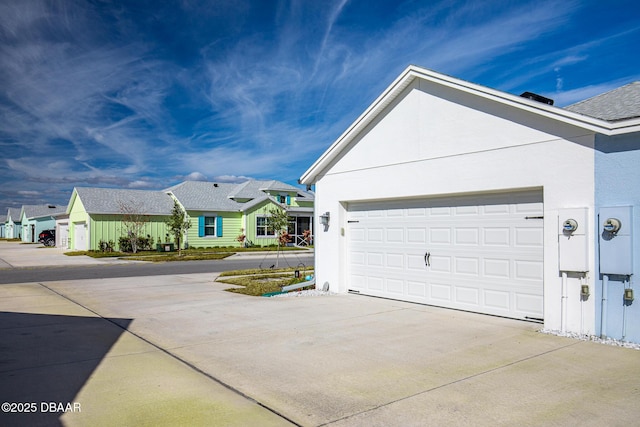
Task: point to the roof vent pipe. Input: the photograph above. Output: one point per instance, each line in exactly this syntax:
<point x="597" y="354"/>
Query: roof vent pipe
<point x="536" y="97"/>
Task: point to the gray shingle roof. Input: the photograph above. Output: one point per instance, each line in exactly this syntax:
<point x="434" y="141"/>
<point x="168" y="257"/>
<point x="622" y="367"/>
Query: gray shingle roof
<point x="40" y="211"/>
<point x="14" y="213"/>
<point x="619" y="104"/>
<point x="201" y="195"/>
<point x="209" y="196"/>
<point x="110" y="200"/>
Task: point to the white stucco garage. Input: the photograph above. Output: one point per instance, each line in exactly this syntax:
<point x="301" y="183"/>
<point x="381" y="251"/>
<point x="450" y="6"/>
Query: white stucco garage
<point x="448" y="193"/>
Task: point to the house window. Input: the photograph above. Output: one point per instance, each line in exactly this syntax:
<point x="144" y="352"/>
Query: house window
<point x="285" y="200"/>
<point x="209" y="226"/>
<point x="262" y="230"/>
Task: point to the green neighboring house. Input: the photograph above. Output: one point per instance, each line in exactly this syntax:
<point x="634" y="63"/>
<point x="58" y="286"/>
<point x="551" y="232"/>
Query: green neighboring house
<point x="36" y="218"/>
<point x="97" y="214"/>
<point x="220" y="213"/>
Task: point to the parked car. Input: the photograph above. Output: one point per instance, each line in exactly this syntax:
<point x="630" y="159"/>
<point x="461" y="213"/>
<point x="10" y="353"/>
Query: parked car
<point x="47" y="237"/>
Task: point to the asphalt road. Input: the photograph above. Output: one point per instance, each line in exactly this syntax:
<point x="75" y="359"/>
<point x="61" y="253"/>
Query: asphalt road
<point x="44" y="274"/>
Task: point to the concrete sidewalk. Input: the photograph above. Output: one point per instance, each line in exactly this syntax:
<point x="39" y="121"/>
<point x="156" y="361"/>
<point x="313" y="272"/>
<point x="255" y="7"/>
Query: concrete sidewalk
<point x="20" y="255"/>
<point x="336" y="360"/>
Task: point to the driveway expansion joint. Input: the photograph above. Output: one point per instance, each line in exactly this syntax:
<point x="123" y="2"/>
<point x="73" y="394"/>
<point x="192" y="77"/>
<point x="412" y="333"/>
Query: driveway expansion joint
<point x="534" y="356"/>
<point x="176" y="357"/>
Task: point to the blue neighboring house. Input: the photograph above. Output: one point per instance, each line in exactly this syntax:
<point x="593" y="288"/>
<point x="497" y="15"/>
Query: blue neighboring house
<point x="36" y="218"/>
<point x="13" y="228"/>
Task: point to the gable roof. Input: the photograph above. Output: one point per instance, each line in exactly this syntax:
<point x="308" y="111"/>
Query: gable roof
<point x="619" y="104"/>
<point x="210" y="196"/>
<point x="13" y="214"/>
<point x="109" y="200"/>
<point x="203" y="195"/>
<point x="411" y="73"/>
<point x="40" y="211"/>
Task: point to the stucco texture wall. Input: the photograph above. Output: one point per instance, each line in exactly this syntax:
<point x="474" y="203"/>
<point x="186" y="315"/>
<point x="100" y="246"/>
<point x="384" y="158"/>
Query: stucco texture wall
<point x="617" y="180"/>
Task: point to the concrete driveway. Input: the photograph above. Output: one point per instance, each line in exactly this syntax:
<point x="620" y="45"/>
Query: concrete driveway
<point x="179" y="350"/>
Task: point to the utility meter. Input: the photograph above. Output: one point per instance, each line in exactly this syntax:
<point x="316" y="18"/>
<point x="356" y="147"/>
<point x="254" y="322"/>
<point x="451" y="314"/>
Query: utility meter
<point x="616" y="241"/>
<point x="573" y="242"/>
<point x="612" y="225"/>
<point x="570" y="225"/>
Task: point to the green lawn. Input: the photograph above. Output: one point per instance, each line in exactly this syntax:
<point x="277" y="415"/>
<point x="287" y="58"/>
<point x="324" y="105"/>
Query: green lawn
<point x="187" y="254"/>
<point x="260" y="282"/>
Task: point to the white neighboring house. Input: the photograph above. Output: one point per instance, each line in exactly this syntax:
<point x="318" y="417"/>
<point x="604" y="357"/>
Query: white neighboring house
<point x="452" y="194"/>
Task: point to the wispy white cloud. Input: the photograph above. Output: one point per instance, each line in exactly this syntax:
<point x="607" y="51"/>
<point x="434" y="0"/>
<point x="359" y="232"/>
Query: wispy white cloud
<point x="115" y="96"/>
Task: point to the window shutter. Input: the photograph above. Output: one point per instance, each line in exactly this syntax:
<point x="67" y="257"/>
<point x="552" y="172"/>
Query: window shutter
<point x="200" y="226"/>
<point x="219" y="226"/>
<point x="288" y="199"/>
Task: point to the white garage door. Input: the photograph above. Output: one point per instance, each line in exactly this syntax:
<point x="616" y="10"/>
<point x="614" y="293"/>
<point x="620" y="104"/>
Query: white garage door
<point x="475" y="253"/>
<point x="79" y="236"/>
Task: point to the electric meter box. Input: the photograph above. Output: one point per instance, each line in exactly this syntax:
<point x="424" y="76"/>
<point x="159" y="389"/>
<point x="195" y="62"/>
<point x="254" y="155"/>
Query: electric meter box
<point x="616" y="245"/>
<point x="573" y="245"/>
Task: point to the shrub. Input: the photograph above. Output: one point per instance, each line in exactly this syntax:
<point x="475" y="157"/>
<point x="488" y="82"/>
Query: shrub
<point x="143" y="243"/>
<point x="106" y="246"/>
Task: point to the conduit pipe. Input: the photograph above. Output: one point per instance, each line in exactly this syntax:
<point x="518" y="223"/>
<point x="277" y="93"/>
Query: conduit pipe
<point x="582" y="300"/>
<point x="603" y="314"/>
<point x="624" y="311"/>
<point x="563" y="307"/>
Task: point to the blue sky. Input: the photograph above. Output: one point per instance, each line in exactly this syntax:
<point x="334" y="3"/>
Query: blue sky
<point x="146" y="94"/>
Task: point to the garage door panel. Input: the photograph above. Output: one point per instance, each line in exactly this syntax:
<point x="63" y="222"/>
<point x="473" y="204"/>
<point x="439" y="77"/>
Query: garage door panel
<point x="395" y="286"/>
<point x="494" y="236"/>
<point x="375" y="283"/>
<point x="467" y="295"/>
<point x="529" y="303"/>
<point x="529" y="237"/>
<point x="529" y="270"/>
<point x="375" y="235"/>
<point x="467" y="266"/>
<point x="416" y="263"/>
<point x="440" y="292"/>
<point x="440" y="264"/>
<point x="484" y="257"/>
<point x="440" y="236"/>
<point x="416" y="235"/>
<point x="395" y="235"/>
<point x="497" y="210"/>
<point x="416" y="289"/>
<point x="466" y="210"/>
<point x="497" y="268"/>
<point x="499" y="300"/>
<point x="467" y="236"/>
<point x="395" y="261"/>
<point x="375" y="259"/>
<point x="357" y="235"/>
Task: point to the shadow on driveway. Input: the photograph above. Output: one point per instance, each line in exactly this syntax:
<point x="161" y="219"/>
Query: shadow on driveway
<point x="45" y="360"/>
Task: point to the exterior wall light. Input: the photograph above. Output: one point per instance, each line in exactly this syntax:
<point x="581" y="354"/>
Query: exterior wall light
<point x="324" y="219"/>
